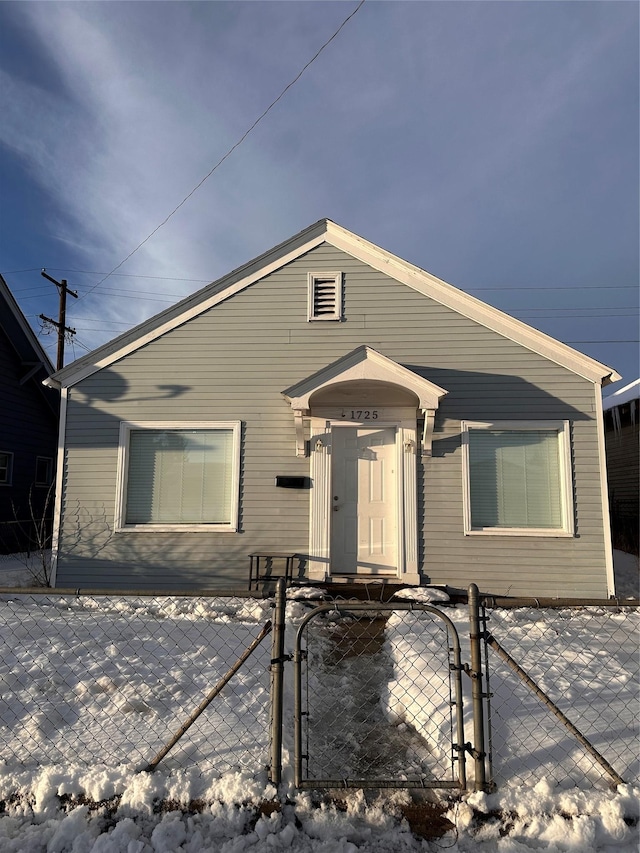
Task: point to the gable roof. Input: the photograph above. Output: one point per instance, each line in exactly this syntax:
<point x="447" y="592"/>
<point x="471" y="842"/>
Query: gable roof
<point x="25" y="344"/>
<point x="326" y="231"/>
<point x="19" y="332"/>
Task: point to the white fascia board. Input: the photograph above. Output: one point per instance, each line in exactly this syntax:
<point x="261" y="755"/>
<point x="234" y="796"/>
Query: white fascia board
<point x="469" y="306"/>
<point x="368" y="253"/>
<point x="189" y="308"/>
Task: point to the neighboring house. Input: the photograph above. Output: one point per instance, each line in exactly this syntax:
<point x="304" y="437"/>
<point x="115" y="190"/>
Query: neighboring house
<point x="622" y="440"/>
<point x="330" y="400"/>
<point x="28" y="431"/>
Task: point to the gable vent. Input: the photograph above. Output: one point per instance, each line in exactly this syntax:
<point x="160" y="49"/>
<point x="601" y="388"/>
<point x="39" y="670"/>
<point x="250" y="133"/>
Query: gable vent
<point x="325" y="296"/>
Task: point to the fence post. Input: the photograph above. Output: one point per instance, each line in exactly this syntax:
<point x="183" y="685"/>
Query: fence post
<point x="277" y="674"/>
<point x="477" y="692"/>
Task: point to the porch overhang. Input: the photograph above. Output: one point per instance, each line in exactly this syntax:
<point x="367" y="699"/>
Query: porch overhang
<point x="364" y="364"/>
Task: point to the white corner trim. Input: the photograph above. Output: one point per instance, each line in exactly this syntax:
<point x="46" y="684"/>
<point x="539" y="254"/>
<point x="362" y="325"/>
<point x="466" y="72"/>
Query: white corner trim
<point x="563" y="428"/>
<point x="120" y="525"/>
<point x="604" y="489"/>
<point x="57" y="509"/>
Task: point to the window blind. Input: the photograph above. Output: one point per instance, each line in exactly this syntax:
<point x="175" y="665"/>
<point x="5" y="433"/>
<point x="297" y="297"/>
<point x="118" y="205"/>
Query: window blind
<point x="179" y="476"/>
<point x="515" y="478"/>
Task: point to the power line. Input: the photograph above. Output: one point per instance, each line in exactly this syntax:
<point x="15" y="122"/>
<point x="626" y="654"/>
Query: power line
<point x="515" y="288"/>
<point x="119" y="274"/>
<point x="565" y="287"/>
<point x="230" y="151"/>
<point x="84" y="346"/>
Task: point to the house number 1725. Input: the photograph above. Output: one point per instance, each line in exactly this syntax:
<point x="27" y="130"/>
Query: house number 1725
<point x="360" y="414"/>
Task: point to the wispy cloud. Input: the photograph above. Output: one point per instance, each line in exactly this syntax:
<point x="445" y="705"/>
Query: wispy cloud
<point x="425" y="127"/>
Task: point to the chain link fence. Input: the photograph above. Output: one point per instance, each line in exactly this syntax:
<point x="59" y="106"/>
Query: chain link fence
<point x="584" y="660"/>
<point x="108" y="679"/>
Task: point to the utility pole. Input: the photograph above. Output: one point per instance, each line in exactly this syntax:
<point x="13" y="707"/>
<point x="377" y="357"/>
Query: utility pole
<point x="62" y="314"/>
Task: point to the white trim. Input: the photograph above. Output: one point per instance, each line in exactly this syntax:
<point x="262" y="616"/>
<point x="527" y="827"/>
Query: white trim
<point x="408" y="504"/>
<point x="120" y="525"/>
<point x="57" y="509"/>
<point x="340" y="238"/>
<point x="336" y="314"/>
<point x="364" y="363"/>
<point x="320" y="500"/>
<point x="604" y="489"/>
<point x="448" y="295"/>
<point x="563" y="428"/>
<point x="199" y="307"/>
<point x="301" y="449"/>
<point x="406" y="496"/>
<point x="427" y="432"/>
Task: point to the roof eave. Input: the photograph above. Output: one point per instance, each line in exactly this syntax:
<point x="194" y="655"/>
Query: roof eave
<point x="327" y="231"/>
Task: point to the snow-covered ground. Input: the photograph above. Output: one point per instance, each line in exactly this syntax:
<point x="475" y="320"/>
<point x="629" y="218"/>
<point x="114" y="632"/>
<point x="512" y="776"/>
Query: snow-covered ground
<point x="80" y="788"/>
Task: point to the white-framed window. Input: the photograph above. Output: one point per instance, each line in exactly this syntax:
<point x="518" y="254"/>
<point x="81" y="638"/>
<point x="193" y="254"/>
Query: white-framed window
<point x="6" y="468"/>
<point x="44" y="471"/>
<point x="325" y="295"/>
<point x="178" y="476"/>
<point x="517" y="478"/>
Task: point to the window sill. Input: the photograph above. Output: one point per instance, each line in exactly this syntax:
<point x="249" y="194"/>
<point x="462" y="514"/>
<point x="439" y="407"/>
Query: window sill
<point x="518" y="531"/>
<point x="177" y="528"/>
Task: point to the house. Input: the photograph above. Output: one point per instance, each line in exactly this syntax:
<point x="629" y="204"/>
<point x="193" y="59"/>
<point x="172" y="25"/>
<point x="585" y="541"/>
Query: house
<point x="332" y="401"/>
<point x="28" y="431"/>
<point x="622" y="442"/>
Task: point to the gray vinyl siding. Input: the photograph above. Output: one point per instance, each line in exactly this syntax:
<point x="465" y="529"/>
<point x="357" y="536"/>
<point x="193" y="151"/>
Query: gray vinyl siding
<point x="232" y="363"/>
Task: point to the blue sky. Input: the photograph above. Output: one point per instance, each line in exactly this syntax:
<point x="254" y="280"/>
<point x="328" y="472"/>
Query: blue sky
<point x="493" y="144"/>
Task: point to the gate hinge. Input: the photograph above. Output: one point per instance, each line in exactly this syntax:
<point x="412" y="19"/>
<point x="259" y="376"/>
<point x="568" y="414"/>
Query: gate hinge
<point x="282" y="659"/>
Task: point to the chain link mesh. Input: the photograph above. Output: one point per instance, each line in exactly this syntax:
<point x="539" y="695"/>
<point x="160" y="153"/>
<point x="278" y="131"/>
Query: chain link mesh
<point x="586" y="661"/>
<point x="377" y="698"/>
<point x="107" y="680"/>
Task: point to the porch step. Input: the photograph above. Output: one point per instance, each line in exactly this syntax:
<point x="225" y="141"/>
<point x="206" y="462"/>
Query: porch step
<point x="363" y="589"/>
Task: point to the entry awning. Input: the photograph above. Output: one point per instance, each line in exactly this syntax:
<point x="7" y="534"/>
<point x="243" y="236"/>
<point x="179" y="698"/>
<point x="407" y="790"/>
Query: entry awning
<point x="366" y="364"/>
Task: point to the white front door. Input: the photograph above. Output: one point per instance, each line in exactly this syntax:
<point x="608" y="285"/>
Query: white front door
<point x="364" y="511"/>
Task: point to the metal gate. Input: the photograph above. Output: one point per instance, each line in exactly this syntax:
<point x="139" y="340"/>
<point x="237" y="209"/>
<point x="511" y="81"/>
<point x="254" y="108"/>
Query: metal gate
<point x="378" y="698"/>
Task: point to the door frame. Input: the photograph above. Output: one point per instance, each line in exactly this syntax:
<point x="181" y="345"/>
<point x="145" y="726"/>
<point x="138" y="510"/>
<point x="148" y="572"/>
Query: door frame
<point x="323" y="422"/>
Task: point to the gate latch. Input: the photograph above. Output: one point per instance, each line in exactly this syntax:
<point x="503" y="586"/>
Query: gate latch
<point x="474" y="753"/>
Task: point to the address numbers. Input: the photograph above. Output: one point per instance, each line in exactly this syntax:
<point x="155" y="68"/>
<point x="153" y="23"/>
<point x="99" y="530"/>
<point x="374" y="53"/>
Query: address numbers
<point x="360" y="414"/>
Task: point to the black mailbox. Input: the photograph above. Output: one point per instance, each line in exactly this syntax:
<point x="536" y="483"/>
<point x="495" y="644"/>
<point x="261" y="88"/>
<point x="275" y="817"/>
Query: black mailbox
<point x="292" y="482"/>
